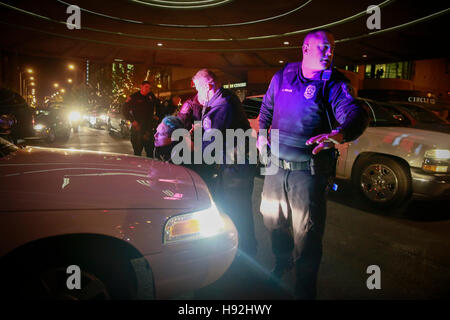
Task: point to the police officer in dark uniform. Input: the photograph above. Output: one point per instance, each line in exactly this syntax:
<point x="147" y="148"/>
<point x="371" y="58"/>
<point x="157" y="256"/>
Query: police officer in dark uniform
<point x="222" y="110"/>
<point x="310" y="107"/>
<point x="140" y="109"/>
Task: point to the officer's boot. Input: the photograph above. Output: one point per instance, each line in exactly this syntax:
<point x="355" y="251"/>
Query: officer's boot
<point x="282" y="246"/>
<point x="305" y="279"/>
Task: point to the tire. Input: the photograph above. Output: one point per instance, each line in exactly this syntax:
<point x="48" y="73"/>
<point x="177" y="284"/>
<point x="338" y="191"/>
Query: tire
<point x="109" y="128"/>
<point x="40" y="275"/>
<point x="51" y="136"/>
<point x="124" y="133"/>
<point x="66" y="136"/>
<point x="383" y="182"/>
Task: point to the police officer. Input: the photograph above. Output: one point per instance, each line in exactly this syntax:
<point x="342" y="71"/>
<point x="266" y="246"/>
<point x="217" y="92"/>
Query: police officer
<point x="222" y="110"/>
<point x="140" y="109"/>
<point x="310" y="108"/>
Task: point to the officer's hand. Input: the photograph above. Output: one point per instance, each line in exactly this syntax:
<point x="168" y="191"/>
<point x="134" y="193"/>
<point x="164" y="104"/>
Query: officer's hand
<point x="325" y="140"/>
<point x="195" y="127"/>
<point x="261" y="143"/>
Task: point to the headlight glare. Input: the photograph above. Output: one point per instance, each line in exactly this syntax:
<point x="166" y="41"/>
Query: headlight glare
<point x="436" y="160"/>
<point x="438" y="154"/>
<point x="74" y="116"/>
<point x="39" y="127"/>
<point x="195" y="225"/>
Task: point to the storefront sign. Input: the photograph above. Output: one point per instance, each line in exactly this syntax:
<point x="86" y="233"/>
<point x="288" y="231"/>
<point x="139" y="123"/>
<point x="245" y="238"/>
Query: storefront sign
<point x="422" y="100"/>
<point x="235" y="85"/>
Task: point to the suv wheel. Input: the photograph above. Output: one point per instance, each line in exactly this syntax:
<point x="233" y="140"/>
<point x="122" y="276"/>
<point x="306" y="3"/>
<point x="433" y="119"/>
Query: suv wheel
<point x="382" y="181"/>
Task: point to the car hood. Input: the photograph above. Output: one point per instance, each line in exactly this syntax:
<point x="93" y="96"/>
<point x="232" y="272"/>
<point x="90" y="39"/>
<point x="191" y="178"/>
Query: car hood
<point x="36" y="178"/>
<point x="428" y="138"/>
<point x="437" y="127"/>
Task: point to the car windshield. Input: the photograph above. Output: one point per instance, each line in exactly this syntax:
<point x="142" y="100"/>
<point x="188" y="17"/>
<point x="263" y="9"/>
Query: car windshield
<point x="252" y="106"/>
<point x="385" y="115"/>
<point x="6" y="148"/>
<point x="422" y="115"/>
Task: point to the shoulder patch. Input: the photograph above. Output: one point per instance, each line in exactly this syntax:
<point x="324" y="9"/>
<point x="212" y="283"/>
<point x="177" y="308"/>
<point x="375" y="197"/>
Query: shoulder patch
<point x="310" y="91"/>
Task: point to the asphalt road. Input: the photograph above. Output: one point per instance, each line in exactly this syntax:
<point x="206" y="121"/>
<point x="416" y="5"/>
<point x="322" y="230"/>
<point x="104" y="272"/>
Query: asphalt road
<point x="411" y="246"/>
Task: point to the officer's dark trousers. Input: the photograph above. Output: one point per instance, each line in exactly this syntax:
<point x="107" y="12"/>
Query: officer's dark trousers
<point x="293" y="206"/>
<point x="234" y="196"/>
<point x="139" y="143"/>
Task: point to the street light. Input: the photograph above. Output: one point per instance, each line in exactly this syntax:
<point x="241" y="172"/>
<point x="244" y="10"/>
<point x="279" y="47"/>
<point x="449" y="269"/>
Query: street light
<point x="69" y="80"/>
<point x="23" y="87"/>
<point x="56" y="85"/>
<point x="71" y="67"/>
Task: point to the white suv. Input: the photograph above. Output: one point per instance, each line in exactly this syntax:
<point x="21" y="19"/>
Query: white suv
<point x="398" y="156"/>
<point x="404" y="153"/>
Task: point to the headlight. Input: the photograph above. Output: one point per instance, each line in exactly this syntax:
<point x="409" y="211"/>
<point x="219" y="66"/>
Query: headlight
<point x="74" y="116"/>
<point x="195" y="225"/>
<point x="39" y="127"/>
<point x="436" y="160"/>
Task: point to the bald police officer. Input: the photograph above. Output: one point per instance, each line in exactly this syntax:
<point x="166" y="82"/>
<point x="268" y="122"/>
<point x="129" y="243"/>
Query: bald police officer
<point x="310" y="108"/>
<point x="222" y="110"/>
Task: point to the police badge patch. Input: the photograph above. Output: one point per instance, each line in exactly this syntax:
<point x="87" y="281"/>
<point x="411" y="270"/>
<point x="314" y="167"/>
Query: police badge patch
<point x="206" y="123"/>
<point x="309" y="91"/>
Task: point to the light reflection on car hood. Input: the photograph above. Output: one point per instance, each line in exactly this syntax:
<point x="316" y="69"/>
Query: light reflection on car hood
<point x="54" y="179"/>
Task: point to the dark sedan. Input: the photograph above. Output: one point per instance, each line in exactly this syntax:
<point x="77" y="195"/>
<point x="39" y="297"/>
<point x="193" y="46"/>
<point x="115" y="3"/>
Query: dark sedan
<point x="52" y="124"/>
<point x="16" y="116"/>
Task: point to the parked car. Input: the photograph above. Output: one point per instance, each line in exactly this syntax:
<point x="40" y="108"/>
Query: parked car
<point x="422" y="118"/>
<point x="395" y="159"/>
<point x="117" y="123"/>
<point x="252" y="105"/>
<point x="16" y="116"/>
<point x="98" y="117"/>
<point x="133" y="227"/>
<point x="51" y="124"/>
<point x="73" y="112"/>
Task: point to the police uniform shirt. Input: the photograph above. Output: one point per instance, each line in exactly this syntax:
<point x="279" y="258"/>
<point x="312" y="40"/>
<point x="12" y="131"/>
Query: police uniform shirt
<point x="297" y="106"/>
<point x="223" y="111"/>
<point x="141" y="109"/>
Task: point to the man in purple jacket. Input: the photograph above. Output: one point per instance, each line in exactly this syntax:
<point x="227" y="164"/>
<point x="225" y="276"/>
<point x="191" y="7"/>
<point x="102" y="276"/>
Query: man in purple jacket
<point x="310" y="107"/>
